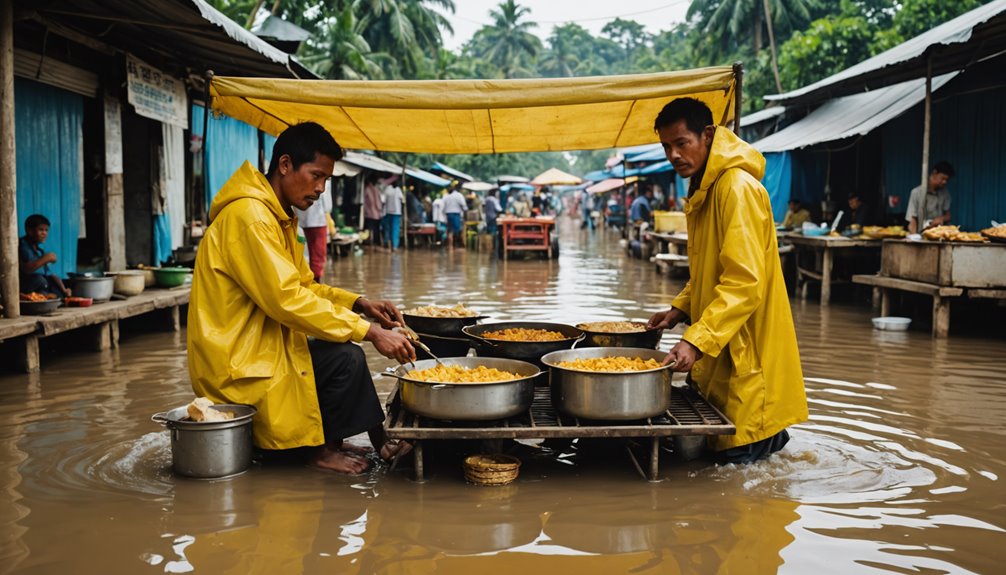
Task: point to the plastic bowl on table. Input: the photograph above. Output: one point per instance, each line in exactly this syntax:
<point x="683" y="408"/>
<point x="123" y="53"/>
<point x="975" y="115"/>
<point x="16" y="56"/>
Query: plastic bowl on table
<point x="815" y="232"/>
<point x="171" y="277"/>
<point x="74" y="301"/>
<point x="891" y="323"/>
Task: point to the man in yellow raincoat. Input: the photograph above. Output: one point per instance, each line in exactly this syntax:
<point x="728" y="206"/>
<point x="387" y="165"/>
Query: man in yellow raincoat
<point x="254" y="303"/>
<point x="741" y="345"/>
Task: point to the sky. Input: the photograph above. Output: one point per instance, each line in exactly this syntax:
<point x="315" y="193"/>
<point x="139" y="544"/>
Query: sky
<point x="655" y="15"/>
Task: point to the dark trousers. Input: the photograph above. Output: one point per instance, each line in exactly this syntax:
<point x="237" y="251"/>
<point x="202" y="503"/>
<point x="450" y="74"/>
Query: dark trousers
<point x="346" y="394"/>
<point x="754" y="451"/>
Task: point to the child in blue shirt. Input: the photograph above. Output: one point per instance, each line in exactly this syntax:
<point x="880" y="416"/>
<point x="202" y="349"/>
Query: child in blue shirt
<point x="34" y="261"/>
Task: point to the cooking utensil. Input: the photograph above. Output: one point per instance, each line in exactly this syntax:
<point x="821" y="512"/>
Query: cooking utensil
<point x="522" y="350"/>
<point x="128" y="283"/>
<point x="838" y="218"/>
<point x="443" y="346"/>
<point x="609" y="396"/>
<point x="99" y="289"/>
<point x="205" y="450"/>
<point x="39" y="307"/>
<point x="648" y="338"/>
<point x="442" y="326"/>
<point x="468" y="401"/>
<point x="414" y="338"/>
<point x="171" y="277"/>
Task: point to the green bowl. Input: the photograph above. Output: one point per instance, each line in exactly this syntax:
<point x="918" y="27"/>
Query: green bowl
<point x="171" y="277"/>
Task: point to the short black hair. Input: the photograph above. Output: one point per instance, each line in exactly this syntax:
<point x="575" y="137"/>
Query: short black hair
<point x="302" y="143"/>
<point x="695" y="114"/>
<point x="943" y="167"/>
<point x="35" y="220"/>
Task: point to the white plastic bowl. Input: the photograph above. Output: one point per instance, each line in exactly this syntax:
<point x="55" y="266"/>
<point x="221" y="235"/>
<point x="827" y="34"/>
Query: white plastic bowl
<point x="891" y="323"/>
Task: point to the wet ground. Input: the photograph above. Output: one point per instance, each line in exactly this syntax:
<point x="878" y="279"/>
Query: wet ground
<point x="898" y="470"/>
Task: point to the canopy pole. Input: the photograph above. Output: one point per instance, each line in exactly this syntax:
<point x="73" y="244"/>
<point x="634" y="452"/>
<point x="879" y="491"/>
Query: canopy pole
<point x="208" y="105"/>
<point x="8" y="164"/>
<point x="738" y="95"/>
<point x="927" y="124"/>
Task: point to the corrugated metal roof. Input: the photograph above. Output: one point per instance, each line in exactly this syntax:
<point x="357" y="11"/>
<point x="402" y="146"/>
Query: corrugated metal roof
<point x="849" y="116"/>
<point x="452" y="172"/>
<point x="174" y="35"/>
<point x="381" y="165"/>
<point x="954" y="45"/>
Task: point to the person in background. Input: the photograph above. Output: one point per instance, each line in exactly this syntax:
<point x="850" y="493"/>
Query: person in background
<point x="393" y="199"/>
<point x="858" y="215"/>
<point x="455" y="207"/>
<point x="492" y="209"/>
<point x="314" y="221"/>
<point x="796" y="215"/>
<point x="372" y="210"/>
<point x="439" y="217"/>
<point x="34" y="262"/>
<point x="740" y="348"/>
<point x="254" y="304"/>
<point x="641" y="210"/>
<point x="520" y="207"/>
<point x="416" y="214"/>
<point x="930" y="207"/>
<point x="586" y="210"/>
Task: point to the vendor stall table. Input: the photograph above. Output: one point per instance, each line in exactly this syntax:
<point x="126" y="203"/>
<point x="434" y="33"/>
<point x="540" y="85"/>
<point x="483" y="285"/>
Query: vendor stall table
<point x="689" y="414"/>
<point x="526" y="234"/>
<point x="824" y="248"/>
<point x="942" y="270"/>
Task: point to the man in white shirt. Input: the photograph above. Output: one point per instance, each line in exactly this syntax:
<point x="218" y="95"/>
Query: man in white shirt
<point x="454" y="208"/>
<point x="393" y="199"/>
<point x="931" y="206"/>
<point x="314" y="222"/>
<point x="439" y="217"/>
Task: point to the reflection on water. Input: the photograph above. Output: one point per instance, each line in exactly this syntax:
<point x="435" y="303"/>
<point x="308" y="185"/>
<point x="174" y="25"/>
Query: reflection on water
<point x="897" y="471"/>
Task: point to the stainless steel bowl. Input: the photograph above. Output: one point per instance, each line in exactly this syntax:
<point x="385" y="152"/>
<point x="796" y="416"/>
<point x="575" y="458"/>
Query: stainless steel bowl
<point x="649" y="338"/>
<point x="468" y="401"/>
<point x="210" y="450"/>
<point x="609" y="396"/>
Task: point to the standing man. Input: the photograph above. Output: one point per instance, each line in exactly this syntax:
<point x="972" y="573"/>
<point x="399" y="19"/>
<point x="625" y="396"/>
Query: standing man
<point x="314" y="221"/>
<point x="931" y="206"/>
<point x="741" y="345"/>
<point x="372" y="209"/>
<point x="254" y="303"/>
<point x="493" y="211"/>
<point x="455" y="207"/>
<point x="393" y="201"/>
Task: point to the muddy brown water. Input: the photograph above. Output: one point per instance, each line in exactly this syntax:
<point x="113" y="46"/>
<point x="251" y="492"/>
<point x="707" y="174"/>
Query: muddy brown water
<point x="898" y="470"/>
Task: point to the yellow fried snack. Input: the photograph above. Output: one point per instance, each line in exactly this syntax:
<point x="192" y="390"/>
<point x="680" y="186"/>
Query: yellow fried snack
<point x="952" y="234"/>
<point x="613" y="326"/>
<point x="524" y="334"/>
<point x="459" y="374"/>
<point x="456" y="310"/>
<point x="884" y="232"/>
<point x="996" y="232"/>
<point x="610" y="364"/>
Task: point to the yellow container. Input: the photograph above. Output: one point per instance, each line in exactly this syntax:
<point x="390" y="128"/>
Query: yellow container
<point x="669" y="221"/>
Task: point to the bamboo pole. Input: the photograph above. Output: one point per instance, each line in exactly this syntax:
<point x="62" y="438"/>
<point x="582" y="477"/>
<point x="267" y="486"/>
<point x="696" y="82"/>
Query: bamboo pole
<point x="8" y="164"/>
<point x="927" y="124"/>
<point x="738" y="95"/>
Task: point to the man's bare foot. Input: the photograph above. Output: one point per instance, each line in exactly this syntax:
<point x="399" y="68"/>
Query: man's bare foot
<point x="339" y="461"/>
<point x="355" y="449"/>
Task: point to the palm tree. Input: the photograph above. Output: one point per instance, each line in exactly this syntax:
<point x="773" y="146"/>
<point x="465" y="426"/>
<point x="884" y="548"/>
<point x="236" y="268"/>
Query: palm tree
<point x="733" y="21"/>
<point x="342" y="53"/>
<point x="406" y="30"/>
<point x="559" y="60"/>
<point x="507" y="42"/>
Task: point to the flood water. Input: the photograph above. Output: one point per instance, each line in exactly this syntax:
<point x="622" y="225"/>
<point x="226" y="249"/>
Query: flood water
<point x="898" y="470"/>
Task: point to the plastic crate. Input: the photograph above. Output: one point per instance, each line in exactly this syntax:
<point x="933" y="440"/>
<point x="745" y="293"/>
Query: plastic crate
<point x="669" y="222"/>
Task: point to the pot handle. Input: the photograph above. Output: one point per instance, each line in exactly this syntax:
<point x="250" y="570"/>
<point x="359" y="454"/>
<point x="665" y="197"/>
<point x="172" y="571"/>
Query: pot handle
<point x="390" y="372"/>
<point x="480" y="338"/>
<point x="578" y="340"/>
<point x="161" y="418"/>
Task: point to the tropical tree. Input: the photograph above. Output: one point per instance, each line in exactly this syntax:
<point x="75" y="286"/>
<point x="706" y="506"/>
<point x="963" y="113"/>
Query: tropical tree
<point x="830" y="45"/>
<point x="406" y="30"/>
<point x="628" y="34"/>
<point x="561" y="59"/>
<point x="340" y="52"/>
<point x="508" y="42"/>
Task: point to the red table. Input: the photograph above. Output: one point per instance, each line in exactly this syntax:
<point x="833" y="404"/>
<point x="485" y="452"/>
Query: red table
<point x="526" y="234"/>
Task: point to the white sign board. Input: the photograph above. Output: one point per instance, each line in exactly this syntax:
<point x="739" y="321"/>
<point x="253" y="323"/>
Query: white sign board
<point x="156" y="95"/>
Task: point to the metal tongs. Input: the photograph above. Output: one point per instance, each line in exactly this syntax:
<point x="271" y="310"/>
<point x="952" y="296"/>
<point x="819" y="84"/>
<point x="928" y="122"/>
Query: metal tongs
<point x="414" y="338"/>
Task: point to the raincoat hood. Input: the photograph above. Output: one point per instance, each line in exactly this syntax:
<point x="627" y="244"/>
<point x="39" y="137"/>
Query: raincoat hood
<point x="248" y="182"/>
<point x="728" y="151"/>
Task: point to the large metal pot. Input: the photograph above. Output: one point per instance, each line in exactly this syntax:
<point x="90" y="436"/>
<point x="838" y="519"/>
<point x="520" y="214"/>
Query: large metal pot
<point x="440" y="326"/>
<point x="609" y="396"/>
<point x="443" y="346"/>
<point x="210" y="450"/>
<point x="649" y="338"/>
<point x="128" y="283"/>
<point x="522" y="350"/>
<point x="468" y="401"/>
<point x="96" y="288"/>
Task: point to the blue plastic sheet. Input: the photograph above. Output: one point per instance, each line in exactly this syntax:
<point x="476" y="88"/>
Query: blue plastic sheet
<point x="778" y="181"/>
<point x="230" y="142"/>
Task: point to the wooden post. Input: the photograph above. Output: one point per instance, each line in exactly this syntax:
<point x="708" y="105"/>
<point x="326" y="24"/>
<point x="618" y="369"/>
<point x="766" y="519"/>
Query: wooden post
<point x="8" y="163"/>
<point x="926" y="126"/>
<point x="826" y="265"/>
<point x="30" y="362"/>
<point x="115" y="206"/>
<point x="941" y="316"/>
<point x="738" y="95"/>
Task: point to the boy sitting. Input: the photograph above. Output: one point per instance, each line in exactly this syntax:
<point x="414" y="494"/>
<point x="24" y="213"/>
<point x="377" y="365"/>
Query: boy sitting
<point x="34" y="261"/>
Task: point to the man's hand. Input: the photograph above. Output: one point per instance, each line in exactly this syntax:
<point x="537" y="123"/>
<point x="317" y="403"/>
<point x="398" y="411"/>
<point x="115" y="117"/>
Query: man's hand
<point x="391" y="344"/>
<point x="685" y="354"/>
<point x="49" y="258"/>
<point x="666" y="319"/>
<point x="383" y="311"/>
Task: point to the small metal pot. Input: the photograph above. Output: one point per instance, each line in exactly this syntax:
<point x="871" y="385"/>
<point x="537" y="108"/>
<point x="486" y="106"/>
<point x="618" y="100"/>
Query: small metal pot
<point x="649" y="338"/>
<point x="468" y="401"/>
<point x="96" y="288"/>
<point x="210" y="450"/>
<point x="128" y="283"/>
<point x="609" y="396"/>
<point x="522" y="350"/>
<point x="440" y="326"/>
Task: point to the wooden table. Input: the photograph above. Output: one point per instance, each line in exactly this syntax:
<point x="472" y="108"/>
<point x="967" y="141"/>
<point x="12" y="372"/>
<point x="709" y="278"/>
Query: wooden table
<point x="526" y="234"/>
<point x="670" y="249"/>
<point x="825" y="247"/>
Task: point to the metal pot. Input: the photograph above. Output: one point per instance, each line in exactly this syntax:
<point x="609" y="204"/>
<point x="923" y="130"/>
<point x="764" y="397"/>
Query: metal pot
<point x="522" y="350"/>
<point x="128" y="283"/>
<point x="609" y="396"/>
<point x="440" y="326"/>
<point x="210" y="450"/>
<point x="443" y="346"/>
<point x="648" y="339"/>
<point x="468" y="401"/>
<point x="98" y="289"/>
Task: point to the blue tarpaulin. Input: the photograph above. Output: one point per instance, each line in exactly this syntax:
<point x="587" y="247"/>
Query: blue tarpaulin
<point x="162" y="239"/>
<point x="653" y="155"/>
<point x="778" y="181"/>
<point x="229" y="144"/>
<point x="48" y="129"/>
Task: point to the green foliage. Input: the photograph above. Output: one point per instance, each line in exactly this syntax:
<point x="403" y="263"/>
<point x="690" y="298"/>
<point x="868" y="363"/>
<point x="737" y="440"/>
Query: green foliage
<point x="830" y="45"/>
<point x="917" y="16"/>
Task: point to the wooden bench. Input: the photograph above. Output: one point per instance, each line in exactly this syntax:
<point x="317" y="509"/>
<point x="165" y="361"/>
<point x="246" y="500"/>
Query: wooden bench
<point x="103" y="318"/>
<point x="941" y="297"/>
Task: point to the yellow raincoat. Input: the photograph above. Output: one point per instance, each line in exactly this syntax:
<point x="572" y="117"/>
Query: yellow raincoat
<point x="736" y="299"/>
<point x="254" y="302"/>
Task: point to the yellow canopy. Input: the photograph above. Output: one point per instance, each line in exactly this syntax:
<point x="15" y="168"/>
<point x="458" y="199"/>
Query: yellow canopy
<point x="475" y="116"/>
<point x="555" y="177"/>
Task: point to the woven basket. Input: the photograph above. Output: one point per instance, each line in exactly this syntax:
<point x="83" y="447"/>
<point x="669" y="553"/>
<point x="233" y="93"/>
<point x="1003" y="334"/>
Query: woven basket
<point x="496" y="469"/>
